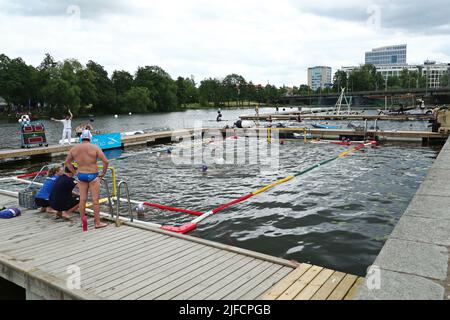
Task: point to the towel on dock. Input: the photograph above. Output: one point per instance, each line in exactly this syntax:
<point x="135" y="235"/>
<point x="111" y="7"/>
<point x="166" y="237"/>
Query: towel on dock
<point x="9" y="213"/>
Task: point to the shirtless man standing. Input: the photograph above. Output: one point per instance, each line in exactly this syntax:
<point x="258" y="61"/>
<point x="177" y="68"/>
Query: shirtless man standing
<point x="86" y="155"/>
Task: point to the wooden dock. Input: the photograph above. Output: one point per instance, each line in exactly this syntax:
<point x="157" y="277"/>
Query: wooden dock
<point x="392" y="135"/>
<point x="161" y="137"/>
<point x="337" y="134"/>
<point x="166" y="136"/>
<point x="127" y="141"/>
<point x="360" y="117"/>
<point x="43" y="255"/>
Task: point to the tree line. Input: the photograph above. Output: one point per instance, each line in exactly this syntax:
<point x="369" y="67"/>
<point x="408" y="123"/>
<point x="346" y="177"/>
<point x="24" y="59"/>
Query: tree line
<point x="54" y="86"/>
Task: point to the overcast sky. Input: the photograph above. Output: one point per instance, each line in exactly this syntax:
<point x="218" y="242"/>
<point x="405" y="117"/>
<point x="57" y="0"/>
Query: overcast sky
<point x="264" y="41"/>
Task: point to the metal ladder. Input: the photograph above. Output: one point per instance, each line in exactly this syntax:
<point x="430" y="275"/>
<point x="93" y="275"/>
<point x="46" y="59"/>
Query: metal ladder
<point x="130" y="211"/>
<point x="26" y="196"/>
<point x="37" y="175"/>
<point x="110" y="204"/>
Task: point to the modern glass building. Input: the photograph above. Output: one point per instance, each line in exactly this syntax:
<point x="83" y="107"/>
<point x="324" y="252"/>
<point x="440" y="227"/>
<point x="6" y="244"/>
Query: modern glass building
<point x="319" y="77"/>
<point x="391" y="55"/>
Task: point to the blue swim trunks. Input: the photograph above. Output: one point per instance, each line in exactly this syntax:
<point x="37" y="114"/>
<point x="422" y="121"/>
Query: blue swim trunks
<point x="87" y="177"/>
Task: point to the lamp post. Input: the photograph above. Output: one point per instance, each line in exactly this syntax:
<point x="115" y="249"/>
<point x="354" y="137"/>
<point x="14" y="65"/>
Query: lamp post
<point x="385" y="93"/>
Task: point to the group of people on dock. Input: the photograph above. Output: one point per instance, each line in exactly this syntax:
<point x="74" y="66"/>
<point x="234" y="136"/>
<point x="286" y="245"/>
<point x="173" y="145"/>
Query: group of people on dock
<point x="80" y="170"/>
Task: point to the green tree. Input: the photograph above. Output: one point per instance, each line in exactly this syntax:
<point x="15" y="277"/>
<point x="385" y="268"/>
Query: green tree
<point x="46" y="70"/>
<point x="61" y="91"/>
<point x="365" y="78"/>
<point x="444" y="80"/>
<point x="136" y="100"/>
<point x="251" y="93"/>
<point x="105" y="93"/>
<point x="187" y="92"/>
<point x="122" y="82"/>
<point x="17" y="81"/>
<point x="61" y="95"/>
<point x="339" y="80"/>
<point x="405" y="78"/>
<point x="162" y="89"/>
<point x="379" y="81"/>
<point x="4" y="64"/>
<point x="260" y="94"/>
<point x="411" y="79"/>
<point x="210" y="91"/>
<point x="181" y="91"/>
<point x="394" y="82"/>
<point x="304" y="89"/>
<point x="232" y="85"/>
<point x="69" y="70"/>
<point x="59" y="84"/>
<point x="191" y="90"/>
<point x="85" y="81"/>
<point x="282" y="90"/>
<point x="420" y="80"/>
<point x="272" y="94"/>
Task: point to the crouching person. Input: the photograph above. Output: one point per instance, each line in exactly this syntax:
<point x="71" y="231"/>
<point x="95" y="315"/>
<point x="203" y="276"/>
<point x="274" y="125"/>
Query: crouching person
<point x="43" y="195"/>
<point x="62" y="198"/>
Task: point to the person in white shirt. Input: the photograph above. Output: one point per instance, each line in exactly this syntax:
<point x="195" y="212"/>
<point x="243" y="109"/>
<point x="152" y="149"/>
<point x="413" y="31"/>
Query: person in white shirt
<point x="67" y="130"/>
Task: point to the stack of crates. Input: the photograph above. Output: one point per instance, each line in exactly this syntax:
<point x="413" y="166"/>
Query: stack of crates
<point x="26" y="198"/>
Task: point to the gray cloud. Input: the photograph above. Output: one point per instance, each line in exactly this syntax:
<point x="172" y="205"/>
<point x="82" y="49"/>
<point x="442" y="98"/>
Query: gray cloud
<point x="413" y="16"/>
<point x="87" y="9"/>
<point x="417" y="16"/>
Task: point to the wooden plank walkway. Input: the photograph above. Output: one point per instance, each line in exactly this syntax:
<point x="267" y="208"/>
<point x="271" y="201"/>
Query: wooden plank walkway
<point x="381" y="135"/>
<point x="138" y="139"/>
<point x="133" y="262"/>
<point x="308" y="282"/>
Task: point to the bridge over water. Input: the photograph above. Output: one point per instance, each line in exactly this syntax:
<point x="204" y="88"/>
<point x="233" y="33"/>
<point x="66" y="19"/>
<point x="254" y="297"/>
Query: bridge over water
<point x="430" y="95"/>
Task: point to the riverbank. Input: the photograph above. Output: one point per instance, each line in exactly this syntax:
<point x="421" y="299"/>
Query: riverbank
<point x="192" y="106"/>
<point x="188" y="107"/>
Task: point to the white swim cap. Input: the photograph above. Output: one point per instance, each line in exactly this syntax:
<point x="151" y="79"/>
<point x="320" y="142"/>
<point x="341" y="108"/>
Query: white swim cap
<point x="86" y="135"/>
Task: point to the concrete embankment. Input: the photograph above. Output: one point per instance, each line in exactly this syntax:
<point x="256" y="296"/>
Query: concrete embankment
<point x="414" y="262"/>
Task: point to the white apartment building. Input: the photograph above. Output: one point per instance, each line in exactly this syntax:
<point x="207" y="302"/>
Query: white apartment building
<point x="434" y="71"/>
<point x="319" y="77"/>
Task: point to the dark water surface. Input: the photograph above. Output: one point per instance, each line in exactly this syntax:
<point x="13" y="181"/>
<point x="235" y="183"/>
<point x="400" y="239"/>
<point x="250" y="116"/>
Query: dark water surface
<point x="337" y="216"/>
